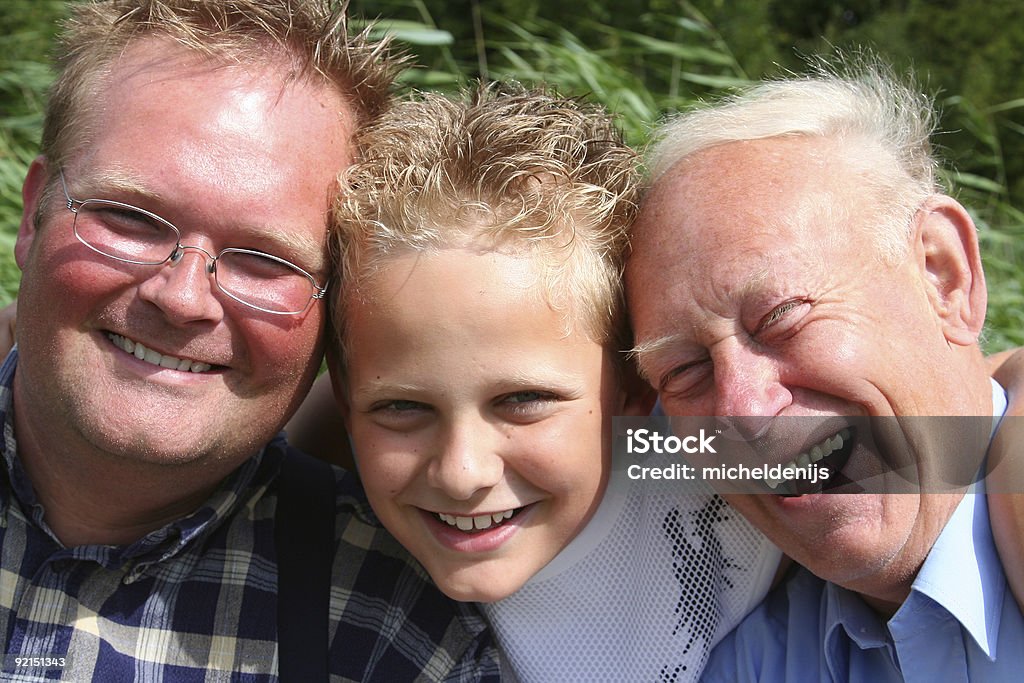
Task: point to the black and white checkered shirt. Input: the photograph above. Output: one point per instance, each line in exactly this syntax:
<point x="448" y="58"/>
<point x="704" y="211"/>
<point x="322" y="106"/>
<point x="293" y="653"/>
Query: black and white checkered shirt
<point x="197" y="599"/>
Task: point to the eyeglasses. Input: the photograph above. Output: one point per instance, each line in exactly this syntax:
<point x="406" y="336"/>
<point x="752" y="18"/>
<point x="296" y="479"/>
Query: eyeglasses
<point x="129" y="234"/>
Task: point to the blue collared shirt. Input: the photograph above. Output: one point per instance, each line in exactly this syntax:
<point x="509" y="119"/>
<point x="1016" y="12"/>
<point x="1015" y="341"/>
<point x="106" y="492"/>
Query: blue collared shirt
<point x="959" y="623"/>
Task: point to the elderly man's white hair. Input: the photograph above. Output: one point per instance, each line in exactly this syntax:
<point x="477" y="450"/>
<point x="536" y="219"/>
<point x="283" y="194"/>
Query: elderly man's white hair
<point x="882" y="124"/>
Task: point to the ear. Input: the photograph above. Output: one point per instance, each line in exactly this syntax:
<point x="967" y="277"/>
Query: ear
<point x="948" y="254"/>
<point x="334" y="366"/>
<point x="31" y="194"/>
<point x="638" y="396"/>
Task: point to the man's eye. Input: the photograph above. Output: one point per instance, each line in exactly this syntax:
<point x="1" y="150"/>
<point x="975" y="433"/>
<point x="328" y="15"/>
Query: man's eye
<point x="778" y="313"/>
<point x="685" y="379"/>
<point x="123" y="220"/>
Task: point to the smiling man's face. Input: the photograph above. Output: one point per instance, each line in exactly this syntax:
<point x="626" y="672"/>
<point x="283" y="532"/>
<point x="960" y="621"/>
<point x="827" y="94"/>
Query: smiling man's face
<point x="756" y="289"/>
<point x="233" y="156"/>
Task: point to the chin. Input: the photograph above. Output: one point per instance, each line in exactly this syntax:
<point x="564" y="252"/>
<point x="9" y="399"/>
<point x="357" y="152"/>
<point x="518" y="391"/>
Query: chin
<point x="480" y="587"/>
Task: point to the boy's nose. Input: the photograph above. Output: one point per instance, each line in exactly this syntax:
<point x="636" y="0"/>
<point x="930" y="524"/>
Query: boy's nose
<point x="466" y="461"/>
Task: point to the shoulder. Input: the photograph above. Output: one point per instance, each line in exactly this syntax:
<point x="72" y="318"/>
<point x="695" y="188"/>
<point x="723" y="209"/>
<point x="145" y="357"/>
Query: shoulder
<point x="756" y="650"/>
<point x="387" y="619"/>
<point x="382" y="598"/>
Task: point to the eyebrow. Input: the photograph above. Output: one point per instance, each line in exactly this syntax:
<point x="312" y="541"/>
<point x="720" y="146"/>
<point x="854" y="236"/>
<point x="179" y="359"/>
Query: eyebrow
<point x="296" y="246"/>
<point x="376" y="390"/>
<point x="657" y="345"/>
<point x="753" y="282"/>
<point x="646" y="349"/>
<point x="564" y="382"/>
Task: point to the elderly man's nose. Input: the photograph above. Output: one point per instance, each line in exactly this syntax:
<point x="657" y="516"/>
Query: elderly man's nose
<point x="748" y="385"/>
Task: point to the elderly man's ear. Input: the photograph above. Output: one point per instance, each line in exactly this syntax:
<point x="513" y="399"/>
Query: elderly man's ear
<point x="946" y="243"/>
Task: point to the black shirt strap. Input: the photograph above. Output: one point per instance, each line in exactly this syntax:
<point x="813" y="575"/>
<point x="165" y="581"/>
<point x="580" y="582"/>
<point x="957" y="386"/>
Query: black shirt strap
<point x="304" y="537"/>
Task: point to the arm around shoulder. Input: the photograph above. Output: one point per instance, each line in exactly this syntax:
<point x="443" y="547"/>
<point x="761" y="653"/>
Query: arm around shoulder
<point x="1005" y="480"/>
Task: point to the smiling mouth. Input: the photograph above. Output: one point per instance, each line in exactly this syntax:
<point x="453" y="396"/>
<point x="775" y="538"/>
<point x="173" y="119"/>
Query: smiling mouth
<point x="477" y="522"/>
<point x="829" y="456"/>
<point x="150" y="356"/>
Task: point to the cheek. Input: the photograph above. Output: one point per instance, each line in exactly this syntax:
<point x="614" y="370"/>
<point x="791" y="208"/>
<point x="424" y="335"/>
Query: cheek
<point x="280" y="346"/>
<point x="387" y="462"/>
<point x="79" y="270"/>
<point x="838" y="361"/>
<point x="66" y="292"/>
<point x="571" y="459"/>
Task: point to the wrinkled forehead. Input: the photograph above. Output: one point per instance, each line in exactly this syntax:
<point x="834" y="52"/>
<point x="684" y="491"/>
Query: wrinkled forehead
<point x="797" y="186"/>
<point x="730" y="219"/>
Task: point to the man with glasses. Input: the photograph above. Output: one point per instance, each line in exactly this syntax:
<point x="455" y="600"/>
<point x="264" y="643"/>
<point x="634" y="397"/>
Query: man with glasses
<point x="171" y="319"/>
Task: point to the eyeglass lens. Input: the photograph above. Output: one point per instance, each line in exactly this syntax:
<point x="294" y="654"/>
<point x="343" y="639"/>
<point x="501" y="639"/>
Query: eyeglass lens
<point x="130" y="234"/>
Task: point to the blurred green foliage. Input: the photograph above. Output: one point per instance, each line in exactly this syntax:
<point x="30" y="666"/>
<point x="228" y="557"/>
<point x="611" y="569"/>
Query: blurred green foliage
<point x="646" y="58"/>
<point x="28" y="28"/>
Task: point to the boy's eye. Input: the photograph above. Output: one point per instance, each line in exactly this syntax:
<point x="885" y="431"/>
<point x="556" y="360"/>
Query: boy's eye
<point x="399" y="414"/>
<point x="527" y="406"/>
<point x="526" y="396"/>
<point x="403" y="406"/>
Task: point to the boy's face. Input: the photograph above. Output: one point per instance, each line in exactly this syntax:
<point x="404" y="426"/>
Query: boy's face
<point x="481" y="428"/>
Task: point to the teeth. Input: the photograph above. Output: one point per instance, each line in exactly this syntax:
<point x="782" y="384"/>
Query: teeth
<point x="151" y="356"/>
<point x="476" y="522"/>
<point x="817" y="452"/>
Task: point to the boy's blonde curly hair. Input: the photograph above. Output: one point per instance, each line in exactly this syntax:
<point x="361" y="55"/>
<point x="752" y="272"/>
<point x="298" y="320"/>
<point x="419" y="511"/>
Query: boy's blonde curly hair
<point x="503" y="168"/>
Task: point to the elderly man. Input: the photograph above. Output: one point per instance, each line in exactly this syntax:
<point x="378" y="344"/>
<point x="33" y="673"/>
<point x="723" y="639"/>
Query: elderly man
<point x="795" y="258"/>
<point x="171" y="319"/>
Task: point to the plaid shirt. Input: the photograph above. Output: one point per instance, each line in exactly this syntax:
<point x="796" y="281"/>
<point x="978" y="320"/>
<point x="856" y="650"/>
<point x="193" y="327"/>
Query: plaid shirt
<point x="197" y="599"/>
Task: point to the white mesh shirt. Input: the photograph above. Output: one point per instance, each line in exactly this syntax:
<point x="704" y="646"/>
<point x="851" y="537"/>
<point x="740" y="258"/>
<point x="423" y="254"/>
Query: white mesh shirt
<point x="642" y="594"/>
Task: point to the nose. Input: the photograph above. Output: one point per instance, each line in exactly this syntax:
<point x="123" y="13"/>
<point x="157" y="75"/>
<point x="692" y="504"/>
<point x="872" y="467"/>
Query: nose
<point x="466" y="461"/>
<point x="184" y="288"/>
<point x="747" y="384"/>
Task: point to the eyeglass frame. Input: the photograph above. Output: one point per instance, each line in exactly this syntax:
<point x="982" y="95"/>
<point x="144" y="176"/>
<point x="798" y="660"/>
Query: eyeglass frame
<point x="178" y="251"/>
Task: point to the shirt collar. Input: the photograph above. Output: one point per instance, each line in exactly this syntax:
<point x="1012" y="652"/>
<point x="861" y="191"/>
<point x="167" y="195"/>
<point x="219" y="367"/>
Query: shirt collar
<point x="845" y="612"/>
<point x="972" y="592"/>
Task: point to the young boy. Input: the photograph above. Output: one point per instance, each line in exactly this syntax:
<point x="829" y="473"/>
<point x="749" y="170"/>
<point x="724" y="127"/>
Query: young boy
<point x="480" y="363"/>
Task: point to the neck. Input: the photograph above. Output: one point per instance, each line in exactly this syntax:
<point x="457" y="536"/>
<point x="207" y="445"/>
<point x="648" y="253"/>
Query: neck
<point x="97" y="498"/>
<point x="99" y="506"/>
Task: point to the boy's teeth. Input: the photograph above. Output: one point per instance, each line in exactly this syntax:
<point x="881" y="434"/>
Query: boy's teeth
<point x="477" y="522"/>
<point x="151" y="356"/>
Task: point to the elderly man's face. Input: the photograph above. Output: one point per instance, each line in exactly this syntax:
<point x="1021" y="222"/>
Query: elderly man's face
<point x="755" y="290"/>
<point x="234" y="157"/>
